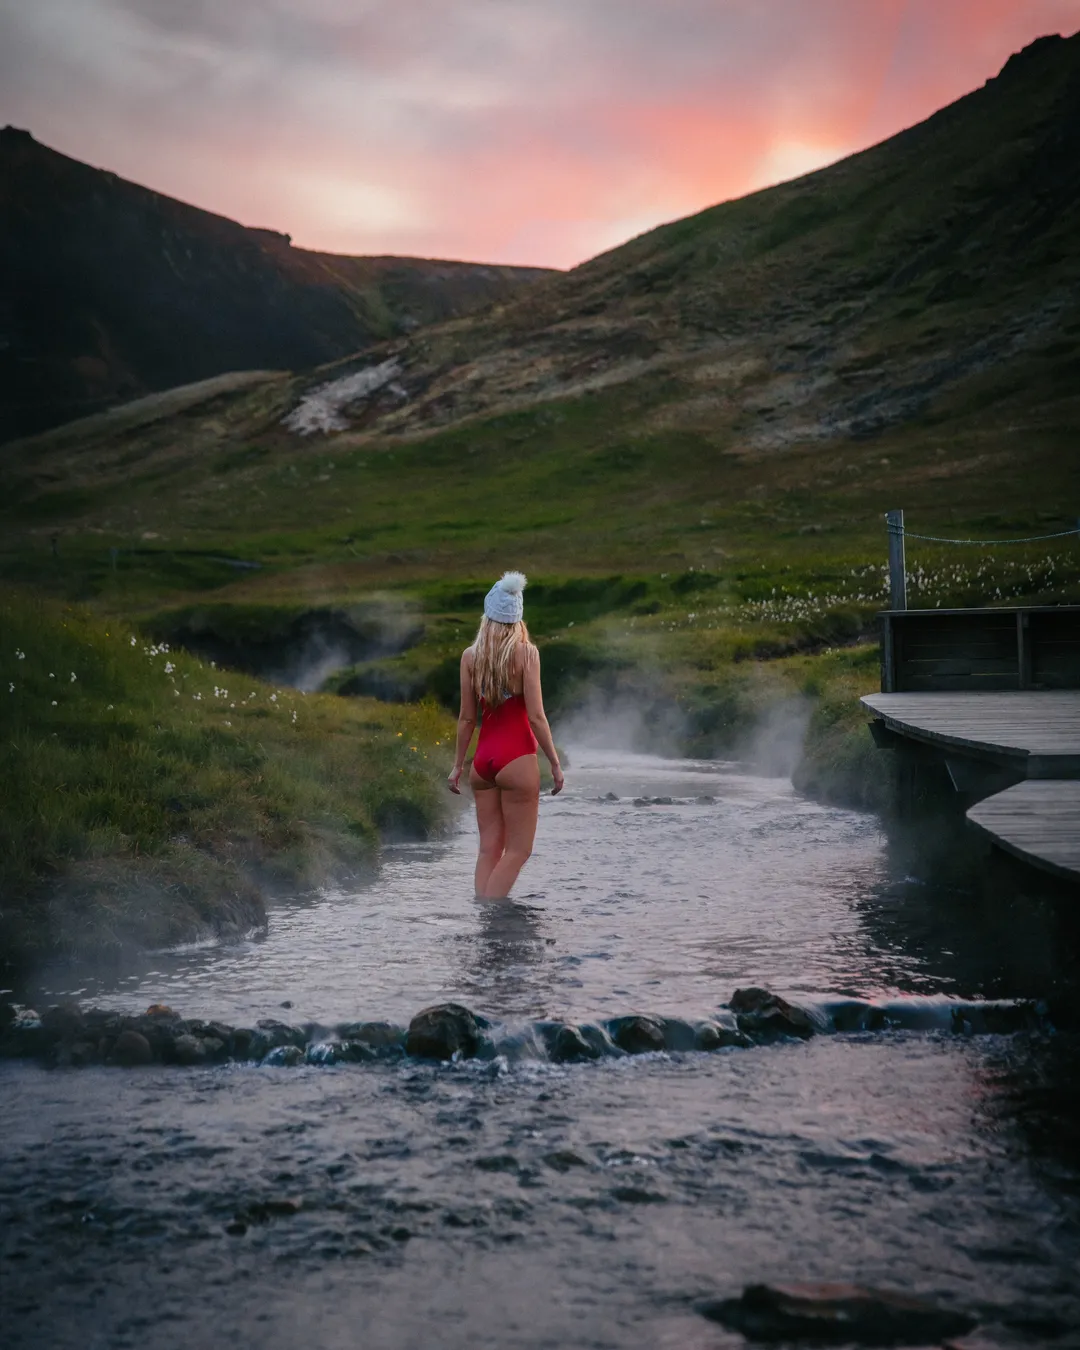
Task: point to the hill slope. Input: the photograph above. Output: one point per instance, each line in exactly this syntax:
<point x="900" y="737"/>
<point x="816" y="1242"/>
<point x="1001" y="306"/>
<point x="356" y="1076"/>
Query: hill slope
<point x="111" y="290"/>
<point x="756" y="382"/>
<point x="836" y="305"/>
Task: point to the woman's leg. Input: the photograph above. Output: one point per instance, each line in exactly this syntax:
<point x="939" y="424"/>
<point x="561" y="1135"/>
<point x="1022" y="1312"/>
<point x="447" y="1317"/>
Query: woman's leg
<point x="519" y="789"/>
<point x="489" y="821"/>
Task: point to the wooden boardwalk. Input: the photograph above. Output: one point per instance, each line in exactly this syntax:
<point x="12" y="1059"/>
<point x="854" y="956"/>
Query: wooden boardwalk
<point x="1036" y="733"/>
<point x="1038" y="821"/>
<point x="1027" y="734"/>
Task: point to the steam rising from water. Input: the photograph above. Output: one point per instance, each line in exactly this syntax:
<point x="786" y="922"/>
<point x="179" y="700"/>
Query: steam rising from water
<point x="381" y="626"/>
<point x="628" y="722"/>
<point x="775" y="744"/>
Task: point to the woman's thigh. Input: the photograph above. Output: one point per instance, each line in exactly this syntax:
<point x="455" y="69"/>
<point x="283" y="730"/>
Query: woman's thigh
<point x="489" y="817"/>
<point x="519" y="788"/>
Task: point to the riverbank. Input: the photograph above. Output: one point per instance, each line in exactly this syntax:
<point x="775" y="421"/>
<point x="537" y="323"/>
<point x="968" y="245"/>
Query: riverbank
<point x="151" y="798"/>
<point x="156" y="798"/>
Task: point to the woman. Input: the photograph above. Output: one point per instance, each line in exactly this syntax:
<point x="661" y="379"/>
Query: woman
<point x="502" y="670"/>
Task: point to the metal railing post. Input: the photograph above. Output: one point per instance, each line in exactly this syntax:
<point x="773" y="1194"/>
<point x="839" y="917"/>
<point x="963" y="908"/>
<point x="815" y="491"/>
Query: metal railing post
<point x="897" y="564"/>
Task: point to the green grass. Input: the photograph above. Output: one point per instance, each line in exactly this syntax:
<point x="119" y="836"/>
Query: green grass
<point x="149" y="797"/>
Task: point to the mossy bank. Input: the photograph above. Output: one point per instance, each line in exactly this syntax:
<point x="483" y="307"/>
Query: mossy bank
<point x="150" y="798"/>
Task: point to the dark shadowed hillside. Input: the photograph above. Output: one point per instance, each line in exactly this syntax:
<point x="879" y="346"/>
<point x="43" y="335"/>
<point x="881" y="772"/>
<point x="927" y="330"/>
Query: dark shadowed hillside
<point x="110" y="290"/>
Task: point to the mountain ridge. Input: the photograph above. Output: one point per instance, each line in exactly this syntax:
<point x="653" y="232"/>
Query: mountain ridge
<point x="114" y="290"/>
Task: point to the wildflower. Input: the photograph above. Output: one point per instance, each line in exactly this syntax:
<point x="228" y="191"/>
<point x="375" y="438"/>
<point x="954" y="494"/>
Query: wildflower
<point x="109" y="707"/>
<point x="11" y="687"/>
<point x="228" y="723"/>
<point x="273" y="698"/>
<point x="73" y="677"/>
<point x="54" y="703"/>
<point x="133" y="642"/>
<point x="169" y="667"/>
<point x="20" y="655"/>
<point x="51" y="675"/>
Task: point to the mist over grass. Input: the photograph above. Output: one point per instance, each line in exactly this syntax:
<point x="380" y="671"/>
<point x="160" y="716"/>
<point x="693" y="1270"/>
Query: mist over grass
<point x="150" y="797"/>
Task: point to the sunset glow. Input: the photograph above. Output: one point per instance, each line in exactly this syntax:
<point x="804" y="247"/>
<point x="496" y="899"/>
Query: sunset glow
<point x="525" y="131"/>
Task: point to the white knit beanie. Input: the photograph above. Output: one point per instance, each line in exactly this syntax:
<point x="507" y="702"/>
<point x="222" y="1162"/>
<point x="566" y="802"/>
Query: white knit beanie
<point x="503" y="602"/>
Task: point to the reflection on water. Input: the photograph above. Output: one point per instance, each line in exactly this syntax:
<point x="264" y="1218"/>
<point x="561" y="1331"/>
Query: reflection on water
<point x="494" y="1205"/>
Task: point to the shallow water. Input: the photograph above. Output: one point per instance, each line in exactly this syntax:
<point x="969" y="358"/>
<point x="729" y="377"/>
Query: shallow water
<point x="528" y="1204"/>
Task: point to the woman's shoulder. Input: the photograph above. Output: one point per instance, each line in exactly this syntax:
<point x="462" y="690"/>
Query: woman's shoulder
<point x="467" y="655"/>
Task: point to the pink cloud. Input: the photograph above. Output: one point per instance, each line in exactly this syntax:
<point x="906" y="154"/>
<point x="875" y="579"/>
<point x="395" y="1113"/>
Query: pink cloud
<point x="534" y="131"/>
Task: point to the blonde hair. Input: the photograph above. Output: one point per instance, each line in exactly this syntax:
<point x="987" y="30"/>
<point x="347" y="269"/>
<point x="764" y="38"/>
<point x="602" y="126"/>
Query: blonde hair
<point x="494" y="649"/>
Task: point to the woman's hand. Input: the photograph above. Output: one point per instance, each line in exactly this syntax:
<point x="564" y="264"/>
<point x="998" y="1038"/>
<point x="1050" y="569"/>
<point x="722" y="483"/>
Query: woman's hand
<point x="557" y="779"/>
<point x="454" y="778"/>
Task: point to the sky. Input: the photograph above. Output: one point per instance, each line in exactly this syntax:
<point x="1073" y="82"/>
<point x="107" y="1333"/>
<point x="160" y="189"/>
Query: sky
<point x="513" y="131"/>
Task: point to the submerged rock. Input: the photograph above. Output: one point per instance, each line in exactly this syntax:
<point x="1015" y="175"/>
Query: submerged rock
<point x="270" y="1035"/>
<point x="62" y="1022"/>
<point x="761" y="1012"/>
<point x="381" y="1037"/>
<point x="132" y="1049"/>
<point x="24" y="1034"/>
<point x="442" y="1032"/>
<point x="239" y="1043"/>
<point x="836" y="1314"/>
<point x="1000" y="1018"/>
<point x="324" y="1052"/>
<point x="637" y="1035"/>
<point x="283" y="1057"/>
<point x="717" y="1036"/>
<point x="568" y="1045"/>
<point x="854" y="1015"/>
<point x="189" y="1050"/>
<point x="679" y="1035"/>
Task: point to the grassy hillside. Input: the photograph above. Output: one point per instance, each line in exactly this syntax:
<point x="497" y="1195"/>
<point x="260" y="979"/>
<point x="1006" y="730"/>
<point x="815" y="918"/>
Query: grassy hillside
<point x="149" y="798"/>
<point x="114" y="291"/>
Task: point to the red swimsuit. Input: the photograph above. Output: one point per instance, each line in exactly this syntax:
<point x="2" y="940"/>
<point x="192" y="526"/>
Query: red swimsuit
<point x="505" y="735"/>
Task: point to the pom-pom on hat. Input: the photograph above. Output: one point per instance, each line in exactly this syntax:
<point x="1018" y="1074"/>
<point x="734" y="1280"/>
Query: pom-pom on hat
<point x="503" y="602"/>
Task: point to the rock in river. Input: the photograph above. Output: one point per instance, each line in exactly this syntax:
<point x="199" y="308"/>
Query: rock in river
<point x="443" y="1031"/>
<point x="761" y="1012"/>
<point x="835" y="1314"/>
<point x="567" y="1045"/>
<point x="131" y="1049"/>
<point x="62" y="1022"/>
<point x="189" y="1050"/>
<point x="284" y="1057"/>
<point x="637" y="1035"/>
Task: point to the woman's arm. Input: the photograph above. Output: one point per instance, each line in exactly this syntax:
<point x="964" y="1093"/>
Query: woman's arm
<point x="534" y="706"/>
<point x="466" y="723"/>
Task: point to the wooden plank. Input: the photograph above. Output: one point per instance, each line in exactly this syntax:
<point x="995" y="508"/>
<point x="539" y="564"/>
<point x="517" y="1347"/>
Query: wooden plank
<point x="1023" y="648"/>
<point x="1038" y="821"/>
<point x="1010" y="724"/>
<point x="1064" y="612"/>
